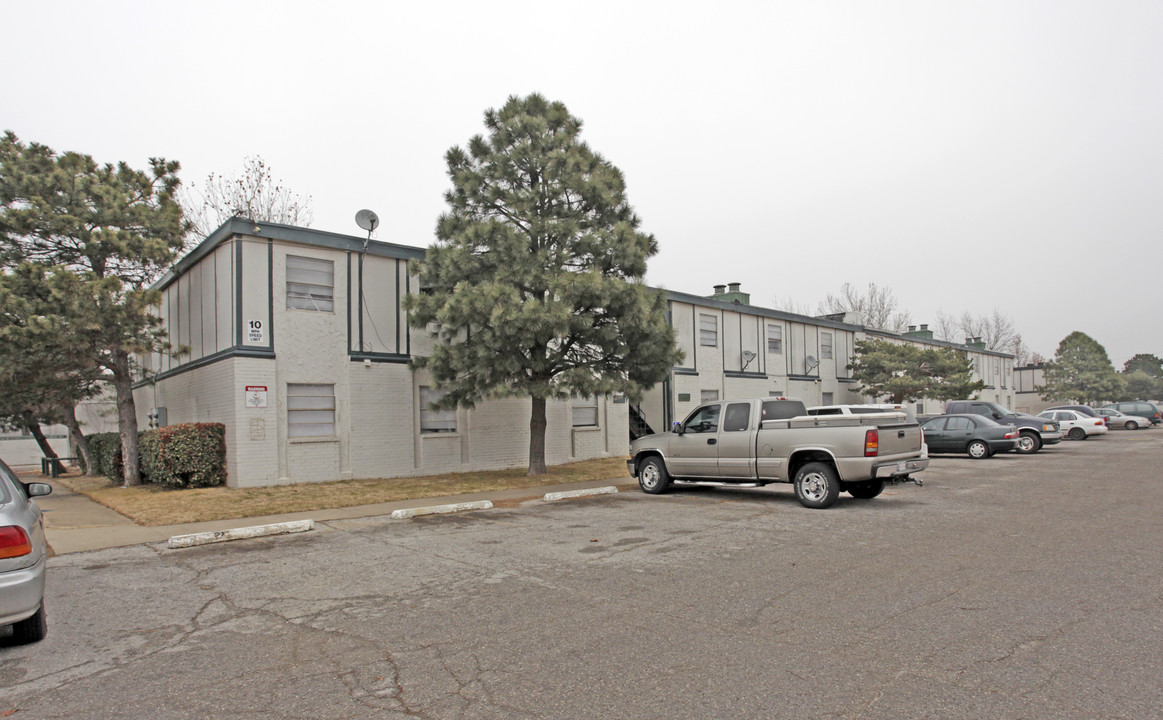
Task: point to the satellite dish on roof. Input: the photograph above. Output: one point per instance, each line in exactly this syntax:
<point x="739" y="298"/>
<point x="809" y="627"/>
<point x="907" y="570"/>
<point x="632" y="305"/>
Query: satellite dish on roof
<point x="812" y="362"/>
<point x="367" y="220"/>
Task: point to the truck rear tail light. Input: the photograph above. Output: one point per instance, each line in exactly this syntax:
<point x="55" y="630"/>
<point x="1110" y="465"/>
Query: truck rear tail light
<point x="871" y="443"/>
<point x="14" y="542"/>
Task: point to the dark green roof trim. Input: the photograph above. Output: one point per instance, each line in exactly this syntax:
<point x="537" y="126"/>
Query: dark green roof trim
<point x="287" y="233"/>
<point x="704" y="301"/>
<point x="940" y="343"/>
<point x="759" y="311"/>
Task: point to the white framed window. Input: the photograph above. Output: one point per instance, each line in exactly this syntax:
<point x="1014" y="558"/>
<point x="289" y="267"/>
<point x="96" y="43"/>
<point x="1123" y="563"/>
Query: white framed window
<point x="585" y="412"/>
<point x="708" y="395"/>
<point x="310" y="284"/>
<point x="435" y="421"/>
<point x="825" y="345"/>
<point x="310" y="410"/>
<point x="775" y="338"/>
<point x="708" y="330"/>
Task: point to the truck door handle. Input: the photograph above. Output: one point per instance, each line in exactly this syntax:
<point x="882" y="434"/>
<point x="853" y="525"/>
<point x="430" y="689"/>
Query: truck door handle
<point x="711" y="441"/>
<point x="900" y="433"/>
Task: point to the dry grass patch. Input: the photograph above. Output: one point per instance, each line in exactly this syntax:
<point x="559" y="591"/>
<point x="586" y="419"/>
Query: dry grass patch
<point x="151" y="505"/>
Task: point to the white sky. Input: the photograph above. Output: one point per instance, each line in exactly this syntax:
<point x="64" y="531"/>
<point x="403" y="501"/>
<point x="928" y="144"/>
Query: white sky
<point x="968" y="155"/>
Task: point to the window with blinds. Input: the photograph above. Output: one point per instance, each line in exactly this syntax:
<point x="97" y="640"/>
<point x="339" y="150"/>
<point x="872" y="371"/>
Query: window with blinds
<point x="310" y="284"/>
<point x="585" y="412"/>
<point x="708" y="330"/>
<point x="310" y="410"/>
<point x="774" y="338"/>
<point x="435" y="421"/>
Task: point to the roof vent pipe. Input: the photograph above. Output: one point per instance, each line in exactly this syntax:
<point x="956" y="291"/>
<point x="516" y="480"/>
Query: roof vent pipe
<point x="720" y="289"/>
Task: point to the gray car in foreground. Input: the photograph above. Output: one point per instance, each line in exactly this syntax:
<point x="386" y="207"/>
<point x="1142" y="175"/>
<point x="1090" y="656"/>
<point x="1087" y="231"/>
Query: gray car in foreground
<point x="23" y="556"/>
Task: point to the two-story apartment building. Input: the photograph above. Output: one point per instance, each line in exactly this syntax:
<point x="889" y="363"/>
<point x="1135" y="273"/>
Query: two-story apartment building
<point x="298" y="342"/>
<point x="734" y="349"/>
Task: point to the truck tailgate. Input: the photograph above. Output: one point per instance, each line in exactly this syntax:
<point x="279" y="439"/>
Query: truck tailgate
<point x="899" y="439"/>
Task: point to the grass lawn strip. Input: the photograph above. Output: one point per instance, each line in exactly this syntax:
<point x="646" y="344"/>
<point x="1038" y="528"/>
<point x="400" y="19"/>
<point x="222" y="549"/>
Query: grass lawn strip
<point x="151" y="505"/>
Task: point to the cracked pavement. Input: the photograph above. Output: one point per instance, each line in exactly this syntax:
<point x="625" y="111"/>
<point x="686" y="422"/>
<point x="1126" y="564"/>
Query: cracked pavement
<point x="1013" y="587"/>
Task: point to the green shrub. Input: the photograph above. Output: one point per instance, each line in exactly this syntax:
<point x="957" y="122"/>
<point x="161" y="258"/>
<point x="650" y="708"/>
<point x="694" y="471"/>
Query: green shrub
<point x="105" y="449"/>
<point x="187" y="455"/>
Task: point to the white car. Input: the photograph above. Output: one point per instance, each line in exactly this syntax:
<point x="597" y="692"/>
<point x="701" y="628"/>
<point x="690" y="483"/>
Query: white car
<point x="1119" y="419"/>
<point x="861" y="410"/>
<point x="1074" y="424"/>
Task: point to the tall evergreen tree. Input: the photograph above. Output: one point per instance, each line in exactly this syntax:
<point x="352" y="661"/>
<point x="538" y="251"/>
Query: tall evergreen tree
<point x="536" y="278"/>
<point x="116" y="228"/>
<point x="1081" y="371"/>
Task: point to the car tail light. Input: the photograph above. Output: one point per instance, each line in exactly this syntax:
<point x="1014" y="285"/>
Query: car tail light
<point x="871" y="443"/>
<point x="1098" y="423"/>
<point x="14" y="542"/>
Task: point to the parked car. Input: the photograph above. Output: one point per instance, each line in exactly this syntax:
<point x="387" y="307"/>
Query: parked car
<point x="976" y="435"/>
<point x="1033" y="432"/>
<point x="861" y="410"/>
<point x="23" y="556"/>
<point x="1142" y="408"/>
<point x="1076" y="425"/>
<point x="1122" y="420"/>
<point x="1084" y="409"/>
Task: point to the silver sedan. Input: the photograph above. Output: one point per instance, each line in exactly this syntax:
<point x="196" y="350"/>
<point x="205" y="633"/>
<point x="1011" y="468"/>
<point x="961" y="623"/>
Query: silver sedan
<point x="23" y="556"/>
<point x="1122" y="420"/>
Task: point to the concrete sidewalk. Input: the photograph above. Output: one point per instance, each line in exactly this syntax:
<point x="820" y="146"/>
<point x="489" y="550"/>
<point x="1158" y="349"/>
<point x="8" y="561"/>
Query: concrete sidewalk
<point x="74" y="523"/>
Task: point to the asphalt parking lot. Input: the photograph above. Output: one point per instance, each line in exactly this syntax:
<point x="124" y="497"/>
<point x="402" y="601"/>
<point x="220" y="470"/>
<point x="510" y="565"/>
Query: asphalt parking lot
<point x="1012" y="587"/>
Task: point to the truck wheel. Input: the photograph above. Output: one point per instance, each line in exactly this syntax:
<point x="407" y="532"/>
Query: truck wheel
<point x="865" y="490"/>
<point x="653" y="477"/>
<point x="1077" y="434"/>
<point x="1029" y="443"/>
<point x="817" y="486"/>
<point x="977" y="450"/>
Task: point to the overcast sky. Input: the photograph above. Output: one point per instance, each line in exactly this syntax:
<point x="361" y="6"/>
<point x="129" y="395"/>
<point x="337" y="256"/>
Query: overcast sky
<point x="967" y="155"/>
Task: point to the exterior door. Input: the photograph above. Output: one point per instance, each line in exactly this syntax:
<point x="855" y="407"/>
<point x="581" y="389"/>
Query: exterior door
<point x="695" y="452"/>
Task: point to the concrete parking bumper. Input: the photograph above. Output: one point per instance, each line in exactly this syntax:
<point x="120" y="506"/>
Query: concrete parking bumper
<point x="74" y="523"/>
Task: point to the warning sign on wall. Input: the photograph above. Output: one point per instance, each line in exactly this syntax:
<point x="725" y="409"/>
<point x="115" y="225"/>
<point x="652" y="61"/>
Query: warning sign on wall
<point x="256" y="396"/>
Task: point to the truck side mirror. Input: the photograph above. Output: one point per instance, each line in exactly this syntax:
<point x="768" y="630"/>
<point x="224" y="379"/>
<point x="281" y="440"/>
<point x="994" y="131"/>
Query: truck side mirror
<point x="676" y="426"/>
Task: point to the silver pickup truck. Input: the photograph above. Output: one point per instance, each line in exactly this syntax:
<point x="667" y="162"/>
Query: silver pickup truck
<point x="750" y="443"/>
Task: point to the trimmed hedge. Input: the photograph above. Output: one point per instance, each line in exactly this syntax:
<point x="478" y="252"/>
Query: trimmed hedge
<point x="176" y="456"/>
<point x="105" y="449"/>
<point x="186" y="455"/>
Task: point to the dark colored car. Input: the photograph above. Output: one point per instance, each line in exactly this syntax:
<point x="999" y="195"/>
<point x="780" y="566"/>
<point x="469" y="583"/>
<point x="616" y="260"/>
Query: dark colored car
<point x="1033" y="432"/>
<point x="1142" y="408"/>
<point x="975" y="435"/>
<point x="1083" y="409"/>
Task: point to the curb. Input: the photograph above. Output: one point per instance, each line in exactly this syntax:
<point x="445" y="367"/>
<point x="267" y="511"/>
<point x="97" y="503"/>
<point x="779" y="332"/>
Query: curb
<point x="608" y="490"/>
<point x="205" y="538"/>
<point x="440" y="509"/>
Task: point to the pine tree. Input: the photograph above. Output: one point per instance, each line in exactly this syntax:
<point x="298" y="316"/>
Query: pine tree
<point x="1081" y="371"/>
<point x="536" y="278"/>
<point x="116" y="229"/>
<point x="906" y="372"/>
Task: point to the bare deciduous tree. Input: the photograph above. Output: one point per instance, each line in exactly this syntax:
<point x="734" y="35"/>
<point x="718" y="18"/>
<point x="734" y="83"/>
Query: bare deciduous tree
<point x="254" y="195"/>
<point x="877" y="307"/>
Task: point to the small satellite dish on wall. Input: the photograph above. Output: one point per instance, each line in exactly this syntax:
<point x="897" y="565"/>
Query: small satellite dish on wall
<point x="812" y="362"/>
<point x="367" y="220"/>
